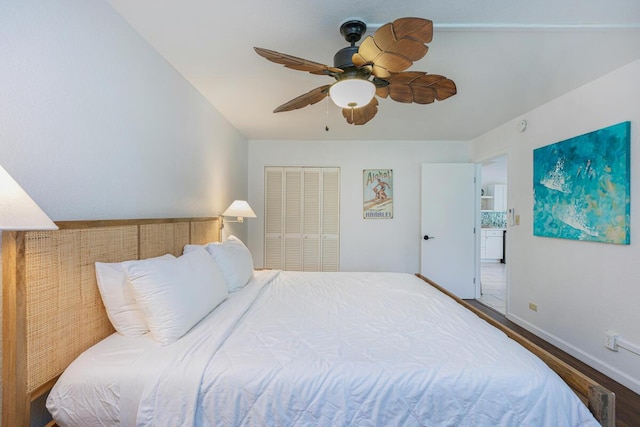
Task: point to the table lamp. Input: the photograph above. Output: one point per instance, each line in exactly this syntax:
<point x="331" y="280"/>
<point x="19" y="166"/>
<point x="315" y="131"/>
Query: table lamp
<point x="239" y="209"/>
<point x="17" y="210"/>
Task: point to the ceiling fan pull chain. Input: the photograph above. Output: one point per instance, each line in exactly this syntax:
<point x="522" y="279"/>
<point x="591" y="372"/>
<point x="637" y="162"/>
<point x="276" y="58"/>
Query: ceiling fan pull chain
<point x="326" y="126"/>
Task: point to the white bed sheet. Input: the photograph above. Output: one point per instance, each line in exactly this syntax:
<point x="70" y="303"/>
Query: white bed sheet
<point x="321" y="349"/>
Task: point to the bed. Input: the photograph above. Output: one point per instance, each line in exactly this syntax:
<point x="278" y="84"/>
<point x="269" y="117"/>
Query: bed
<point x="286" y="348"/>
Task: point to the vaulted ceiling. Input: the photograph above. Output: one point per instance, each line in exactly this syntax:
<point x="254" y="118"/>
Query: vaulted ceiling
<point x="506" y="57"/>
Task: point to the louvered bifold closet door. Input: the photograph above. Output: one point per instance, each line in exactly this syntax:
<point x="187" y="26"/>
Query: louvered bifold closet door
<point x="273" y="221"/>
<point x="293" y="219"/>
<point x="311" y="234"/>
<point x="302" y="218"/>
<point x="330" y="239"/>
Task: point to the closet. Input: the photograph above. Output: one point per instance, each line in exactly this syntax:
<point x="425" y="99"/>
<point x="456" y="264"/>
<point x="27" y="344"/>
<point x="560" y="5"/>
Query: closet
<point x="302" y="218"/>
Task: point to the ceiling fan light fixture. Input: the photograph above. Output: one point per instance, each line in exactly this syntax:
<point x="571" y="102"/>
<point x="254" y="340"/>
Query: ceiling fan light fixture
<point x="375" y="67"/>
<point x="352" y="93"/>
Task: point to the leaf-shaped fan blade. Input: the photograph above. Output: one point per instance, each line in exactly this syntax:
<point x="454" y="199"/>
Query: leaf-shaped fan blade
<point x="360" y="116"/>
<point x="309" y="98"/>
<point x="418" y="87"/>
<point x="296" y="63"/>
<point x="395" y="46"/>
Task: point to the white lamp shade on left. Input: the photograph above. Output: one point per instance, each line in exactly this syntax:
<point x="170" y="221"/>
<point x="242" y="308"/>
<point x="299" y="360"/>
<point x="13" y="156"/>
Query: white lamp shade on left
<point x="17" y="210"/>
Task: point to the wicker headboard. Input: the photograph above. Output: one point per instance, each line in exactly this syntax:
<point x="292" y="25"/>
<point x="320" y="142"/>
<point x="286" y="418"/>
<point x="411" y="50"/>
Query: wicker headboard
<point x="52" y="310"/>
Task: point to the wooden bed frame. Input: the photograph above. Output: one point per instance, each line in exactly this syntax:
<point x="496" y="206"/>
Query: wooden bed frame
<point x="52" y="309"/>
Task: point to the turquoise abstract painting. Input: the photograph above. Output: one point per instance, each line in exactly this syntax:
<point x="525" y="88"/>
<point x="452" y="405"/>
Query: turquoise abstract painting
<point x="581" y="187"/>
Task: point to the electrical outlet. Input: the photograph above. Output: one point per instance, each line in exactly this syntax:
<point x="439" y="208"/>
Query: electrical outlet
<point x="533" y="306"/>
<point x="611" y="340"/>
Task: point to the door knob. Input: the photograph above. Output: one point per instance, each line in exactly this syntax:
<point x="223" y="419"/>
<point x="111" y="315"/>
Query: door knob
<point x="427" y="237"/>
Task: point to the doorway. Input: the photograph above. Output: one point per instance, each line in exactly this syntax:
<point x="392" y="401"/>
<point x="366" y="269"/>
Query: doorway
<point x="493" y="221"/>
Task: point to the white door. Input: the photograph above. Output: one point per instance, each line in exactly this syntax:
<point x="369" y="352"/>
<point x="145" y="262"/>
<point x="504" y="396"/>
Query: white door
<point x="450" y="246"/>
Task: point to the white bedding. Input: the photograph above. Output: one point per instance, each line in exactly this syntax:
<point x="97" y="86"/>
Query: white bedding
<point x="320" y="349"/>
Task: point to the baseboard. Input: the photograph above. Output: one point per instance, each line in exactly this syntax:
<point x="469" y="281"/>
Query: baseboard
<point x="594" y="362"/>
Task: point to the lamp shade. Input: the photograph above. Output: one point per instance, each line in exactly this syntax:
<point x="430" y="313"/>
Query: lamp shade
<point x="352" y="93"/>
<point x="240" y="209"/>
<point x="17" y="210"/>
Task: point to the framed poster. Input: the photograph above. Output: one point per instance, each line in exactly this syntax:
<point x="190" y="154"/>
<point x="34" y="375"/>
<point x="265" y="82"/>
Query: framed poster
<point x="581" y="187"/>
<point x="377" y="193"/>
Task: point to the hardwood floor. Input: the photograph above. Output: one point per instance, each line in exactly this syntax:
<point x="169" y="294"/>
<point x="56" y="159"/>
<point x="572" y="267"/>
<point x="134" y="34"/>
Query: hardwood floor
<point x="627" y="401"/>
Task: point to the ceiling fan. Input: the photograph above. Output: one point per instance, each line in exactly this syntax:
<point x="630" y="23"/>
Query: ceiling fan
<point x="376" y="67"/>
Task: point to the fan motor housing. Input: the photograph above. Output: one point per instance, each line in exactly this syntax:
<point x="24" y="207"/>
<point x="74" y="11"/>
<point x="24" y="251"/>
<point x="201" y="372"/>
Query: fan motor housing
<point x="342" y="58"/>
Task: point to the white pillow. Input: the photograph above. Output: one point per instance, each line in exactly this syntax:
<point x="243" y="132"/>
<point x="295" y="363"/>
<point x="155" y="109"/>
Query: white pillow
<point x="176" y="294"/>
<point x="118" y="298"/>
<point x="234" y="260"/>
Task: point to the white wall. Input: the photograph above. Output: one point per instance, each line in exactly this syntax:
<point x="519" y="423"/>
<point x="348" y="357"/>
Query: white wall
<point x="581" y="288"/>
<point x="94" y="124"/>
<point x="365" y="245"/>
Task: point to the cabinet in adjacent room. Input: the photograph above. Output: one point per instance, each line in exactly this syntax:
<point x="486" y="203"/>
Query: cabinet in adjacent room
<point x="491" y="243"/>
<point x="302" y="218"/>
<point x="498" y="197"/>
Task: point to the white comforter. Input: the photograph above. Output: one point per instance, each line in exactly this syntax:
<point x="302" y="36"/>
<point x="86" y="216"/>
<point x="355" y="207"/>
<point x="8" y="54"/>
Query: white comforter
<point x="320" y="349"/>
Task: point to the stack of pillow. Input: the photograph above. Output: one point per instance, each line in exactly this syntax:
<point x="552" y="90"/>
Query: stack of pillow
<point x="167" y="296"/>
